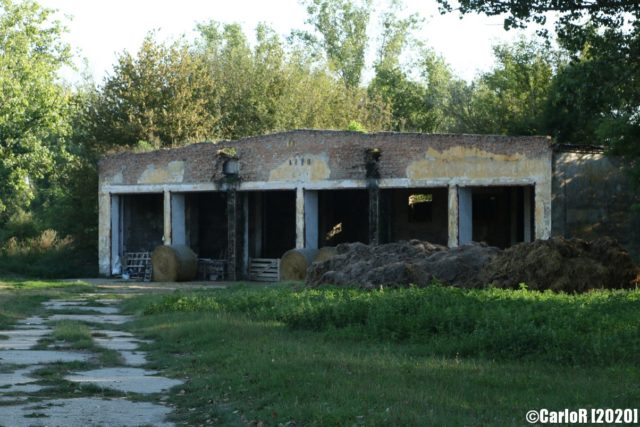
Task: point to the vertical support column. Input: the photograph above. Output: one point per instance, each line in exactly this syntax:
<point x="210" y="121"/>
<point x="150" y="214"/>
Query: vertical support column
<point x="465" y="215"/>
<point x="542" y="213"/>
<point x="178" y="219"/>
<point x="528" y="235"/>
<point x="513" y="218"/>
<point x="311" y="219"/>
<point x="232" y="217"/>
<point x="257" y="224"/>
<point x="453" y="216"/>
<point x="116" y="235"/>
<point x="374" y="212"/>
<point x="104" y="234"/>
<point x="166" y="237"/>
<point x="245" y="234"/>
<point x="299" y="218"/>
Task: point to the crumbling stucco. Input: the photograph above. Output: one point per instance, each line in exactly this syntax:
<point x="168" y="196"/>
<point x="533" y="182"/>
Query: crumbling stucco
<point x="320" y="160"/>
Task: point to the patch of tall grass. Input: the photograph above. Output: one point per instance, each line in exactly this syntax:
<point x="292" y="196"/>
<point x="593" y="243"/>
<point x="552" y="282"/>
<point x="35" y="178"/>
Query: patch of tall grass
<point x="47" y="255"/>
<point x="600" y="327"/>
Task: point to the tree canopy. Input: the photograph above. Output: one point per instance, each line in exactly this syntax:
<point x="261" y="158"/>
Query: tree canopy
<point x="34" y="107"/>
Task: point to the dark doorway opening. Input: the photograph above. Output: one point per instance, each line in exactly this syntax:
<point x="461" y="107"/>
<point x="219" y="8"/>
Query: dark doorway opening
<point x="207" y="224"/>
<point x="142" y="222"/>
<point x="272" y="223"/>
<point x="343" y="216"/>
<point x="415" y="213"/>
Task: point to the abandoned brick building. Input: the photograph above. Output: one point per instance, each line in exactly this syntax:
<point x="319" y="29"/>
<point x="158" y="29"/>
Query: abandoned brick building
<point x="257" y="197"/>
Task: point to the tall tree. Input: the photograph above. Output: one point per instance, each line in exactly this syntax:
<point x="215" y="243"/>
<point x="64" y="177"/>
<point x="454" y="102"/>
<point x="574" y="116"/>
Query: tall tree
<point x="511" y="98"/>
<point x="595" y="99"/>
<point x="34" y="107"/>
<point x="160" y="96"/>
<point x="341" y="33"/>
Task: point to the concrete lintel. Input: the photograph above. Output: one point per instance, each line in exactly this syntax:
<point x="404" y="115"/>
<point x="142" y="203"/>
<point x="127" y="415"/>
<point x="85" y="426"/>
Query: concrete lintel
<point x="459" y="181"/>
<point x="320" y="185"/>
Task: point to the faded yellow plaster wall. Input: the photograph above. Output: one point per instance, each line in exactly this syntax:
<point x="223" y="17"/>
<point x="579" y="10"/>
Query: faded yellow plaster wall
<point x="474" y="163"/>
<point x="173" y="172"/>
<point x="302" y="168"/>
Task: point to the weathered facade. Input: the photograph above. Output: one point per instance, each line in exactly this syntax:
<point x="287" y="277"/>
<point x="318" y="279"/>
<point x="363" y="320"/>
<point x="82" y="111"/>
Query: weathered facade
<point x="258" y="197"/>
<point x="593" y="196"/>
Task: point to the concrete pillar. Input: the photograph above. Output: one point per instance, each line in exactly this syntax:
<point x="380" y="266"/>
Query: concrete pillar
<point x="245" y="234"/>
<point x="258" y="219"/>
<point x="116" y="235"/>
<point x="104" y="234"/>
<point x="232" y="218"/>
<point x="299" y="218"/>
<point x="528" y="235"/>
<point x="513" y="220"/>
<point x="542" y="211"/>
<point x="311" y="219"/>
<point x="452" y="224"/>
<point x="465" y="215"/>
<point x="166" y="237"/>
<point x="178" y="219"/>
<point x="374" y="212"/>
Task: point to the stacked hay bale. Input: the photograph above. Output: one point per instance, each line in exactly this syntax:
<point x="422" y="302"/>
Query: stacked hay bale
<point x="175" y="263"/>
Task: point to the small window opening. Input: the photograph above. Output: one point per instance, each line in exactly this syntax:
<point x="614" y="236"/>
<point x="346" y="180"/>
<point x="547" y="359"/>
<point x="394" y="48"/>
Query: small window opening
<point x="420" y="207"/>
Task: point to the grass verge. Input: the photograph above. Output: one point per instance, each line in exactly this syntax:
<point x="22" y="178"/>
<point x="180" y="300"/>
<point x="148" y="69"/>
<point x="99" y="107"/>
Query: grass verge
<point x="245" y="365"/>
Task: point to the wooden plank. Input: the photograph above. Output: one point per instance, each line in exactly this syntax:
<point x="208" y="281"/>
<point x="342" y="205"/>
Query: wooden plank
<point x="264" y="269"/>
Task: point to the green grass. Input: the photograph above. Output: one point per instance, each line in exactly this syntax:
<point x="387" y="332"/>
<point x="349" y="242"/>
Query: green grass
<point x="21" y="298"/>
<point x="599" y="327"/>
<point x="75" y="334"/>
<point x="22" y="284"/>
<point x="249" y="357"/>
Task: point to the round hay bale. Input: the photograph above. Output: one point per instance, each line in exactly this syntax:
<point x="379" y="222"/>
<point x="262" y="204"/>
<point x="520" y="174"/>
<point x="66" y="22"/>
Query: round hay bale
<point x="175" y="263"/>
<point x="325" y="253"/>
<point x="294" y="263"/>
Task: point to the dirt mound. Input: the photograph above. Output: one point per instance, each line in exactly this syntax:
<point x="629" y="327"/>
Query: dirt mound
<point x="401" y="263"/>
<point x="570" y="265"/>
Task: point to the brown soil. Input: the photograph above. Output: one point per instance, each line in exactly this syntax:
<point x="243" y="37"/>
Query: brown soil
<point x="570" y="265"/>
<point x="559" y="264"/>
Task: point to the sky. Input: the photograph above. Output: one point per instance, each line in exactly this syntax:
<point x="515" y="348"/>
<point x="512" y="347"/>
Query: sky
<point x="99" y="30"/>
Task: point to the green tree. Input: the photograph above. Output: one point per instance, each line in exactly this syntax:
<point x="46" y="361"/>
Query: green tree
<point x="510" y="99"/>
<point x="34" y="107"/>
<point x="595" y="98"/>
<point x="271" y="87"/>
<point x="161" y="96"/>
<point x="417" y="102"/>
<point x="341" y="33"/>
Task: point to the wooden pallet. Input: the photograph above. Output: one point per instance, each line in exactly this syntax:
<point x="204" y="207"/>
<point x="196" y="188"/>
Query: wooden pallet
<point x="211" y="269"/>
<point x="264" y="269"/>
<point x="138" y="265"/>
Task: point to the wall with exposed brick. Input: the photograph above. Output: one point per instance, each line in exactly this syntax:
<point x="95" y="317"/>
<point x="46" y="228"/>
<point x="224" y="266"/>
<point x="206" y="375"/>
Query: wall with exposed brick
<point x="303" y="156"/>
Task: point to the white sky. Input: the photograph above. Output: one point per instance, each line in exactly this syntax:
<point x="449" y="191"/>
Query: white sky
<point x="99" y="30"/>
